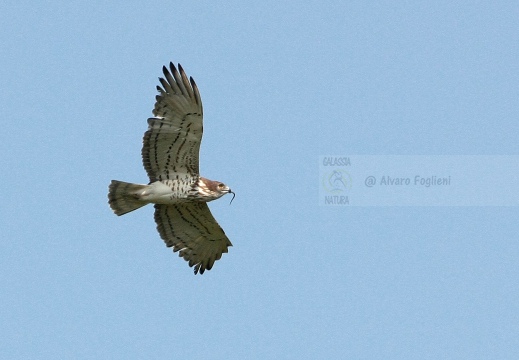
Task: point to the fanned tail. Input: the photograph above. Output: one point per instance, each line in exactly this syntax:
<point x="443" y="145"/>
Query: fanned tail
<point x="124" y="197"/>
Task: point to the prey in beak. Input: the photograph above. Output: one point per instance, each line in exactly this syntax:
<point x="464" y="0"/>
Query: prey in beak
<point x="233" y="195"/>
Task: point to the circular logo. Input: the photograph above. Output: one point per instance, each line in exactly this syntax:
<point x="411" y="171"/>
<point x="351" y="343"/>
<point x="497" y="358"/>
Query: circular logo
<point x="336" y="181"/>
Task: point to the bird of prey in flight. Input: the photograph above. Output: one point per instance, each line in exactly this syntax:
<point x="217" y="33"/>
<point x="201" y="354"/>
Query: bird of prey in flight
<point x="170" y="151"/>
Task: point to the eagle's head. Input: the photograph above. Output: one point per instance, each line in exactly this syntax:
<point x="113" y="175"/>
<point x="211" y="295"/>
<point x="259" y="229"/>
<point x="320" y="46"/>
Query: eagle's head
<point x="209" y="190"/>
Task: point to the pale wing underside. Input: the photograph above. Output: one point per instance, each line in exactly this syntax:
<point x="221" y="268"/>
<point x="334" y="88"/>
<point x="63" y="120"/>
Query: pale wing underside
<point x="191" y="229"/>
<point x="172" y="143"/>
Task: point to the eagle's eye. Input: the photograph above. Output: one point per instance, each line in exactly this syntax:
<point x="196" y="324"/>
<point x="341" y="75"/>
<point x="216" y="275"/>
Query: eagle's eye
<point x="221" y="186"/>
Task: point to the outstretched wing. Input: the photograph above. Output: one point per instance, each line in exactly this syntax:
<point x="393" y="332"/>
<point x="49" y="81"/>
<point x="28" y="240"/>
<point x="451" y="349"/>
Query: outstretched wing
<point x="191" y="229"/>
<point x="172" y="143"/>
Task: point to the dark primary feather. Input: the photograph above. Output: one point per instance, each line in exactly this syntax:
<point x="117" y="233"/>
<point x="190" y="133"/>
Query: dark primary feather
<point x="171" y="145"/>
<point x="191" y="229"/>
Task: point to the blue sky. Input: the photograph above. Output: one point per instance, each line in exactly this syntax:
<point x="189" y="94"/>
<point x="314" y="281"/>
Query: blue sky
<point x="282" y="83"/>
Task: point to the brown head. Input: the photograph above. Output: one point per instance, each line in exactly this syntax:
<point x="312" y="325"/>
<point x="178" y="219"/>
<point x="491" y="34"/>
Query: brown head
<point x="209" y="190"/>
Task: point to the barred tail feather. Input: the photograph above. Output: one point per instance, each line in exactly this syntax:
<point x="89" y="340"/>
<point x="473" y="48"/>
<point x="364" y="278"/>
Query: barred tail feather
<point x="124" y="197"/>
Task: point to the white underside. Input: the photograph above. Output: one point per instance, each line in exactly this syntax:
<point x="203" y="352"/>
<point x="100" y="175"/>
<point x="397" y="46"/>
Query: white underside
<point x="160" y="193"/>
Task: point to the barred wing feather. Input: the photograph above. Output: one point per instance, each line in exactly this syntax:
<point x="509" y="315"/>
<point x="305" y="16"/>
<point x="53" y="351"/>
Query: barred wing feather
<point x="171" y="144"/>
<point x="191" y="229"/>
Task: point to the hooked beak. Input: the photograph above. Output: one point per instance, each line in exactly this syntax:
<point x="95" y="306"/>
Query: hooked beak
<point x="233" y="195"/>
